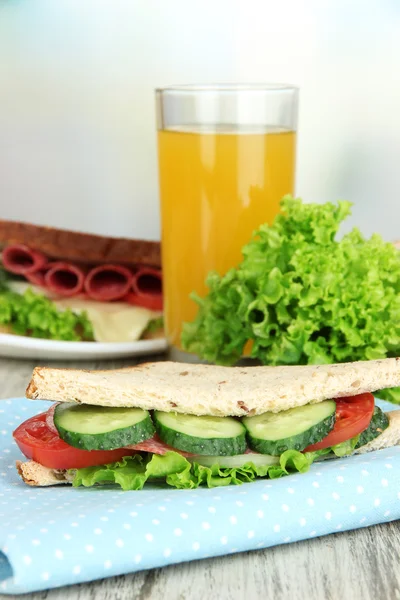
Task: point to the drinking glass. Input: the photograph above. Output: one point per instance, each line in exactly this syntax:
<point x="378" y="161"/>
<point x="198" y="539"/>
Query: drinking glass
<point x="226" y="156"/>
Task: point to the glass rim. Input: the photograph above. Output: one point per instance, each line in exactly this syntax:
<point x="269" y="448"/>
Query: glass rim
<point x="228" y="87"/>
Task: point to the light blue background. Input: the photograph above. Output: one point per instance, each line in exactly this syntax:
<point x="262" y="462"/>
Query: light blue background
<point x="77" y="119"/>
<point x="58" y="536"/>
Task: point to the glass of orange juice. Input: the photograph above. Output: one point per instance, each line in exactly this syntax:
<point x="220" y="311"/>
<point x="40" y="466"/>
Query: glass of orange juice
<point x="226" y="157"/>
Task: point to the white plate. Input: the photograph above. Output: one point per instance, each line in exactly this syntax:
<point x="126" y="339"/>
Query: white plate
<point x="25" y="347"/>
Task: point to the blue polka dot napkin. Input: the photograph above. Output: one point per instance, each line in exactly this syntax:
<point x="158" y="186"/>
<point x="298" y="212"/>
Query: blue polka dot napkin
<point x="57" y="536"/>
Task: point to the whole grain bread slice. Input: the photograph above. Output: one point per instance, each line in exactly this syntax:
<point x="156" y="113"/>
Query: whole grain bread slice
<point x="35" y="474"/>
<point x="62" y="244"/>
<point x="213" y="390"/>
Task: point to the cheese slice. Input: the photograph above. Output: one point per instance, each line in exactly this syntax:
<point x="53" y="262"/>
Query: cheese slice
<point x="111" y="321"/>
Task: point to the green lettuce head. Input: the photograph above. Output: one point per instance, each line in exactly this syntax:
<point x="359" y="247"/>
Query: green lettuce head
<point x="302" y="297"/>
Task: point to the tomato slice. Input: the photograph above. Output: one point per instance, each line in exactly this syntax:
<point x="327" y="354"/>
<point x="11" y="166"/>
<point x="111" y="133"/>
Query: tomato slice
<point x="38" y="442"/>
<point x="353" y="415"/>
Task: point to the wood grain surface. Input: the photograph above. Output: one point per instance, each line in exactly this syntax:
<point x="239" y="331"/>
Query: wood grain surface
<point x="356" y="565"/>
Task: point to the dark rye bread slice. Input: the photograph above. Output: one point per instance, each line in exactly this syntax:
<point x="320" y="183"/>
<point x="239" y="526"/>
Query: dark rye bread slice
<point x="61" y="244"/>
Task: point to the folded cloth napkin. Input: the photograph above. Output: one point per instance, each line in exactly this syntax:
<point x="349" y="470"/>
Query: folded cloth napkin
<point x="57" y="536"/>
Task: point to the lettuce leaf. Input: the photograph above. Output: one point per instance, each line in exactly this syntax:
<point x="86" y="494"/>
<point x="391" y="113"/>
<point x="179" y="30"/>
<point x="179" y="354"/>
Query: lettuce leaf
<point x="301" y="297"/>
<point x="35" y="315"/>
<point x="132" y="472"/>
<point x="345" y="448"/>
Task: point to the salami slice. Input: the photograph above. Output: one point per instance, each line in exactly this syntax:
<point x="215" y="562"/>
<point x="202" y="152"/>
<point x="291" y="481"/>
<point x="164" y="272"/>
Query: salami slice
<point x="64" y="279"/>
<point x="37" y="278"/>
<point x="22" y="260"/>
<point x="108" y="282"/>
<point x="147" y="289"/>
<point x="156" y="446"/>
<point x="147" y="281"/>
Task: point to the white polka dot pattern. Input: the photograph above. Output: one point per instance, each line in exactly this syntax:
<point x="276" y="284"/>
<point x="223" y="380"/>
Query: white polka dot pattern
<point x="57" y="536"/>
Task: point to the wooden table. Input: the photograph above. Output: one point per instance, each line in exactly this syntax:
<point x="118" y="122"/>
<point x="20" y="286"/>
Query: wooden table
<point x="357" y="565"/>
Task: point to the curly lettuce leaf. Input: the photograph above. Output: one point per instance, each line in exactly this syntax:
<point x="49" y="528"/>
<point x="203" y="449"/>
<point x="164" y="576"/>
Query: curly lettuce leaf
<point x="301" y="297"/>
<point x="36" y="316"/>
<point x="345" y="448"/>
<point x="132" y="472"/>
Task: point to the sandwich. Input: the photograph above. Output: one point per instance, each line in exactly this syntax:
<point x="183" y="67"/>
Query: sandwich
<point x="67" y="285"/>
<point x="193" y="424"/>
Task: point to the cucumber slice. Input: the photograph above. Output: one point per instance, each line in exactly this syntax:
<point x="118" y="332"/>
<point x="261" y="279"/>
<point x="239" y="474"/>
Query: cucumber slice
<point x="217" y="436"/>
<point x="259" y="460"/>
<point x="378" y="424"/>
<point x="102" y="428"/>
<point x="293" y="429"/>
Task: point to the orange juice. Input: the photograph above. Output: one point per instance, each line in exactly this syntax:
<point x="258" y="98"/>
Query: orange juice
<point x="216" y="188"/>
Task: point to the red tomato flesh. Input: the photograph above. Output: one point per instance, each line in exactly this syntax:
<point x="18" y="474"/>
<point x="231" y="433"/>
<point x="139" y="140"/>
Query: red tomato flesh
<point x="41" y="444"/>
<point x="353" y="415"/>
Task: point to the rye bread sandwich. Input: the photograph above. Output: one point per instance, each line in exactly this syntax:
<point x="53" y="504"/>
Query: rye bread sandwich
<point x="190" y="425"/>
<point x="74" y="286"/>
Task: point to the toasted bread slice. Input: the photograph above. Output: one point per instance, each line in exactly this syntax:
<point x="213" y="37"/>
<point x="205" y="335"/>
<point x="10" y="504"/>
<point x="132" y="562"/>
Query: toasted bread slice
<point x="212" y="390"/>
<point x="62" y="244"/>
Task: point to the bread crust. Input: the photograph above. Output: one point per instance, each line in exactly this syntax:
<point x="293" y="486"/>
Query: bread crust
<point x="61" y="244"/>
<point x="213" y="390"/>
<point x="36" y="475"/>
